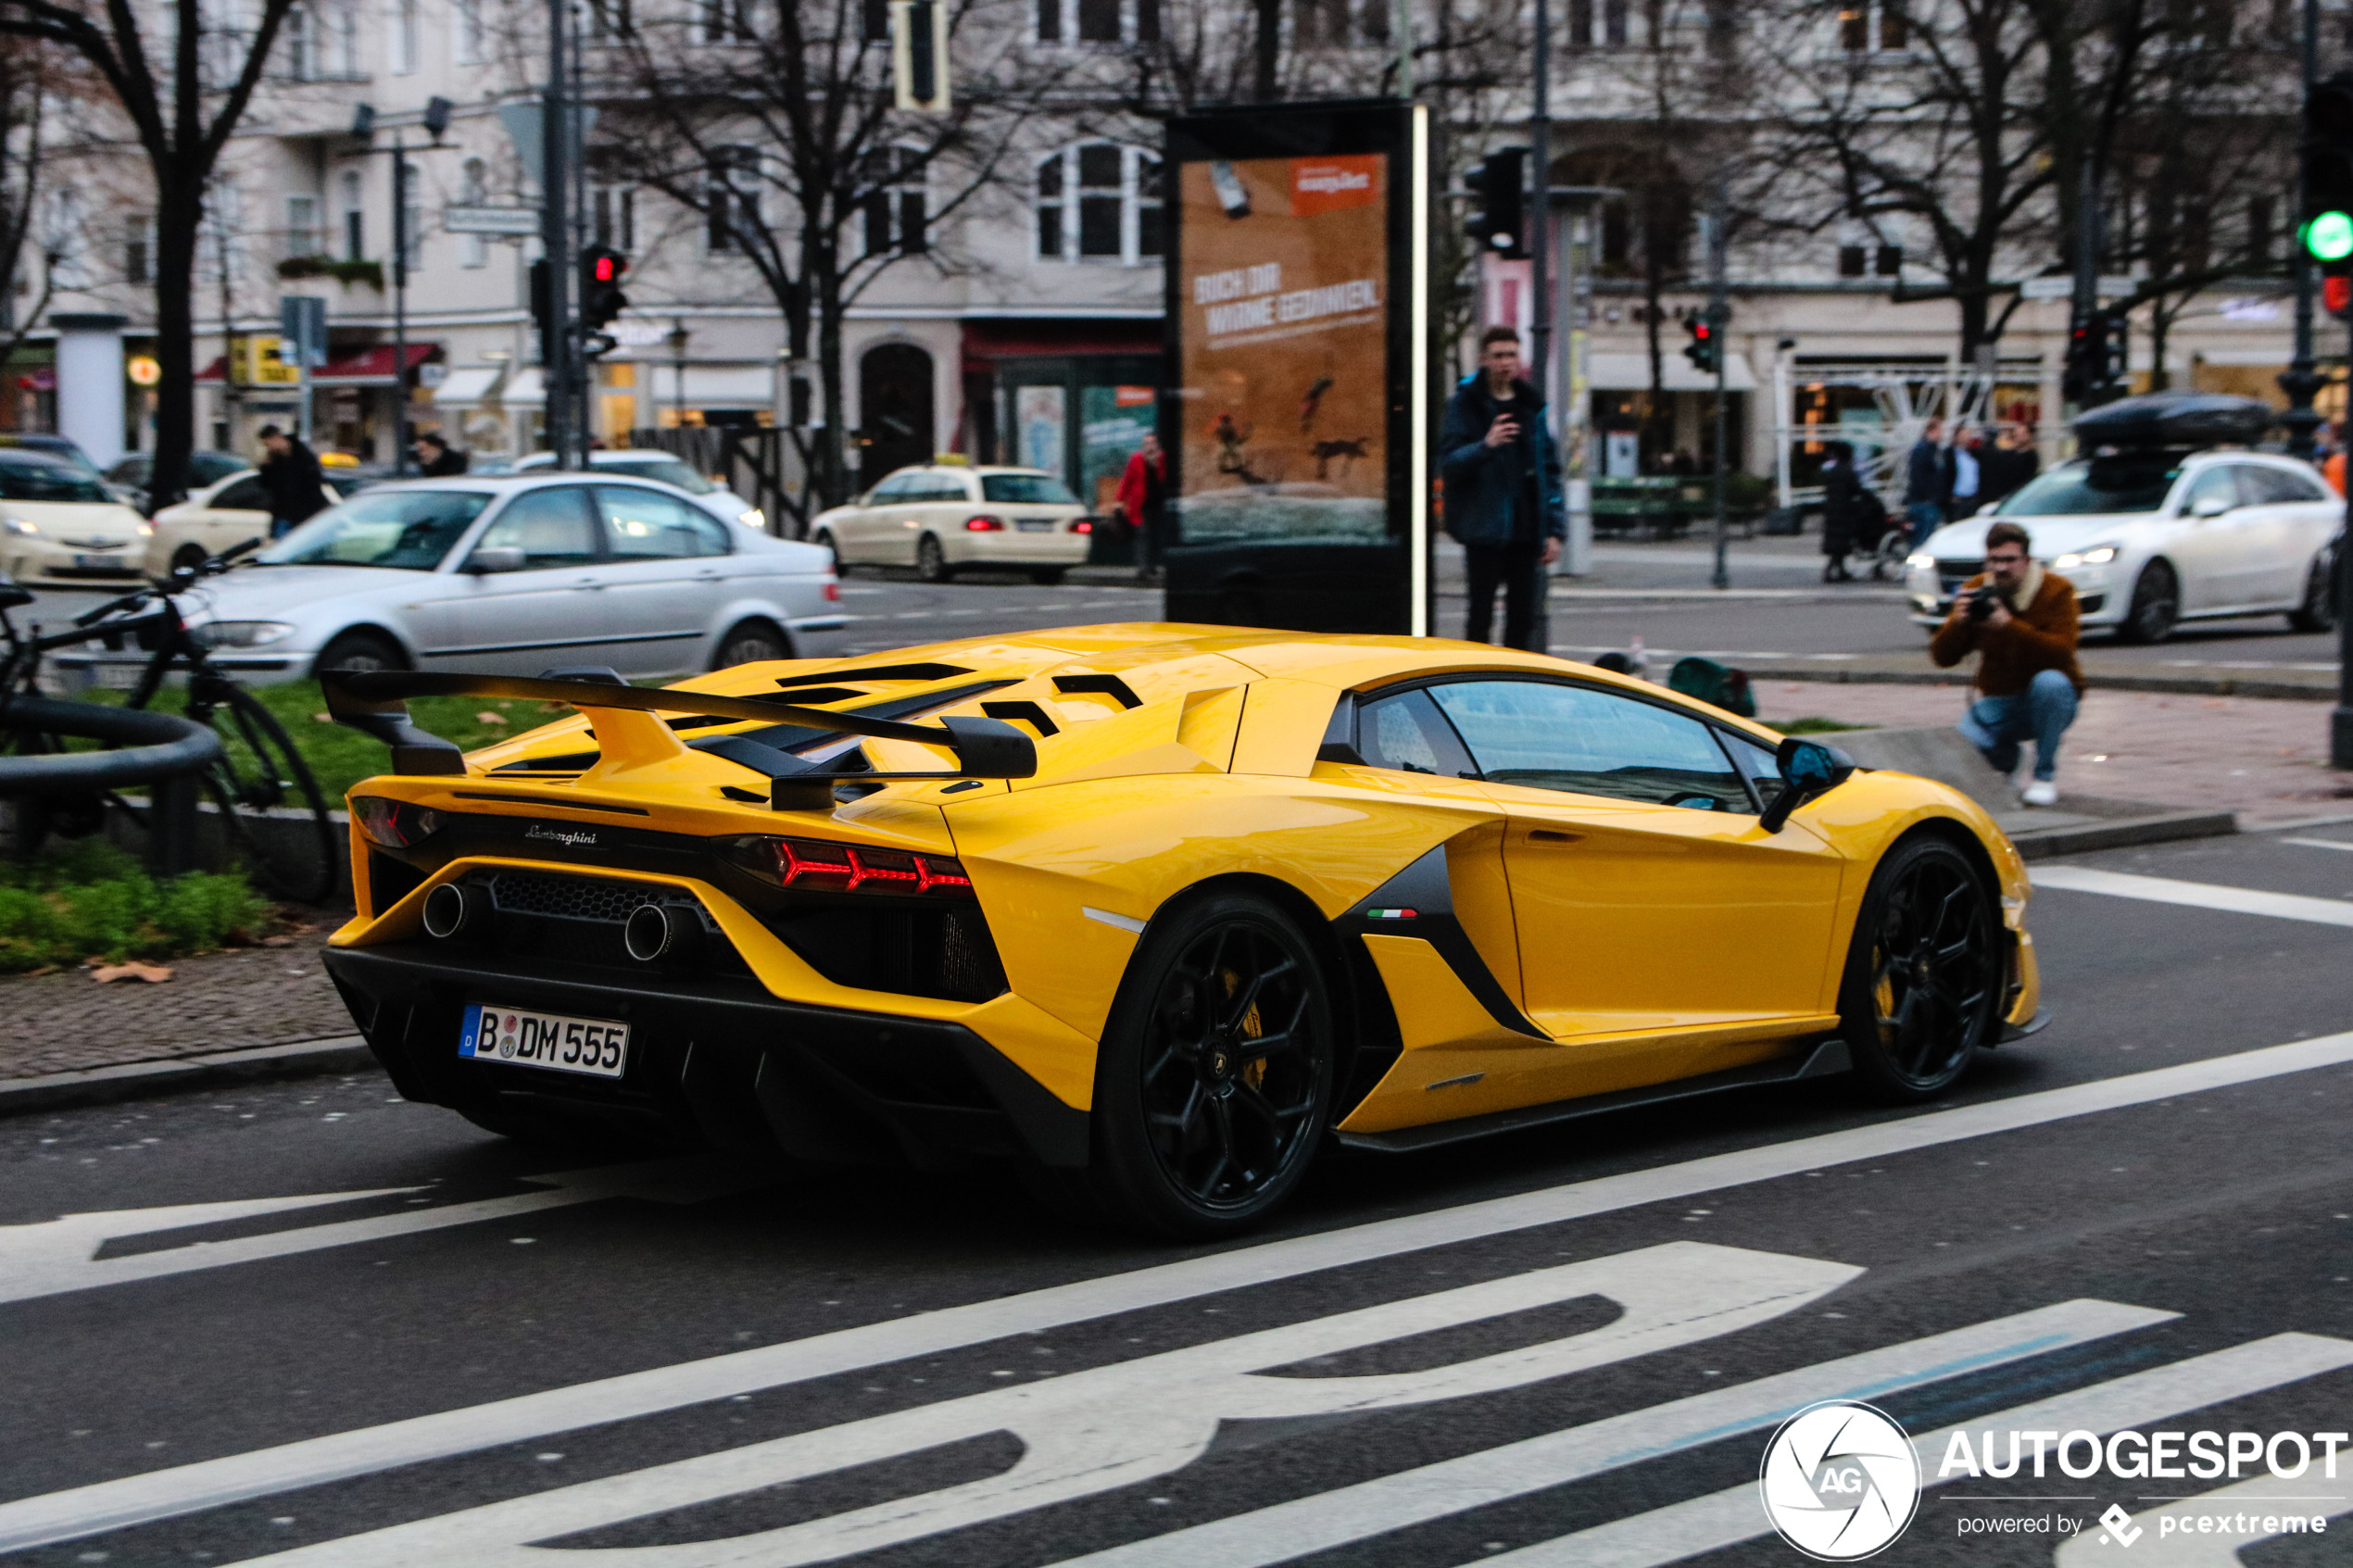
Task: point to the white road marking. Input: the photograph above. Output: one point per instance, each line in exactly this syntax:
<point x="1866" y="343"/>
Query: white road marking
<point x="1116" y="1425"/>
<point x="2320" y="843"/>
<point x="210" y="1483"/>
<point x="1326" y="1520"/>
<point x="1726" y="1518"/>
<point x="2198" y="895"/>
<point x="2157" y="1550"/>
<point x="60" y="1255"/>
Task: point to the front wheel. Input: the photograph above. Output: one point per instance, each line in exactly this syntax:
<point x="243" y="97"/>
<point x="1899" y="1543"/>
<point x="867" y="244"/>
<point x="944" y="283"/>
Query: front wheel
<point x="276" y="818"/>
<point x="2156" y="605"/>
<point x="754" y="642"/>
<point x="1214" y="1078"/>
<point x="2317" y="612"/>
<point x="1924" y="973"/>
<point x="361" y="650"/>
<point x="187" y="558"/>
<point x="931" y="560"/>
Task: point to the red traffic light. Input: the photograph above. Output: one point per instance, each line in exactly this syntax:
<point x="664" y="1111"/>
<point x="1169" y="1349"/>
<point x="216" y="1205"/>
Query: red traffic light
<point x="607" y="270"/>
<point x="2337" y="295"/>
<point x="1702" y="332"/>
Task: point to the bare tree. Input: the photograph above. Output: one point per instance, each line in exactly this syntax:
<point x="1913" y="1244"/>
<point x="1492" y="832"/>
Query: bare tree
<point x="183" y="105"/>
<point x="27" y="79"/>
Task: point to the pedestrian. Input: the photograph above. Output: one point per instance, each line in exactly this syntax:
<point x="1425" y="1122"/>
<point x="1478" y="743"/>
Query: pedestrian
<point x="292" y="481"/>
<point x="2022" y="621"/>
<point x="2332" y="466"/>
<point x="1842" y="511"/>
<point x="1927" y="479"/>
<point x="1504" y="500"/>
<point x="2005" y="468"/>
<point x="1963" y="474"/>
<point x="435" y="458"/>
<point x="1143" y="492"/>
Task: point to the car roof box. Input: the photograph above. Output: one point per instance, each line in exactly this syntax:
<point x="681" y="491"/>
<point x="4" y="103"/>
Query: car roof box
<point x="2176" y="419"/>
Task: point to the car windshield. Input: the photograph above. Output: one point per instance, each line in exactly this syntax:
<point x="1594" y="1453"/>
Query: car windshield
<point x="669" y="471"/>
<point x="31" y="476"/>
<point x="1032" y="487"/>
<point x="404" y="529"/>
<point x="2109" y="485"/>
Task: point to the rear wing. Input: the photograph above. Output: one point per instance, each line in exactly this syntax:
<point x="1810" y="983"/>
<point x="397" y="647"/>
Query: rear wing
<point x="375" y="702"/>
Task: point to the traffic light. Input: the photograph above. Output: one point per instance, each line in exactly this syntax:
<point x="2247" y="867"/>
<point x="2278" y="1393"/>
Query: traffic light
<point x="2325" y="227"/>
<point x="602" y="268"/>
<point x="1496" y="218"/>
<point x="2095" y="356"/>
<point x="2336" y="296"/>
<point x="1707" y="345"/>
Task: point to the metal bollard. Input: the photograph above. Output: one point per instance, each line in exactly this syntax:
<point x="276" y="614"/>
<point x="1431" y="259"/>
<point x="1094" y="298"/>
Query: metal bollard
<point x="171" y="827"/>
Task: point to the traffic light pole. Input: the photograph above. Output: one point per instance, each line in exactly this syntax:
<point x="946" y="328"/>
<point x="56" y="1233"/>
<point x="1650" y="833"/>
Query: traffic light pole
<point x="399" y="307"/>
<point x="1719" y="311"/>
<point x="556" y="240"/>
<point x="2302" y="382"/>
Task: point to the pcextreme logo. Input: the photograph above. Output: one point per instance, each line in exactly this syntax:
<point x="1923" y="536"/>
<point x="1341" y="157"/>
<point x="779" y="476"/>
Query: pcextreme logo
<point x="1840" y="1481"/>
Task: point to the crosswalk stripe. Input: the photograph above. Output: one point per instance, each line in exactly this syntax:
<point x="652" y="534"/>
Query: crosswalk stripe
<point x="2320" y="843"/>
<point x="1320" y="1523"/>
<point x="160" y="1494"/>
<point x="2198" y="895"/>
<point x="1736" y="1515"/>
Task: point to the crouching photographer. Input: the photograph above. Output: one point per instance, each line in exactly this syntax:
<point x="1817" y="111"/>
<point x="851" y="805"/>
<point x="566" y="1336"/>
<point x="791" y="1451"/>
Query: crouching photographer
<point x="2021" y="622"/>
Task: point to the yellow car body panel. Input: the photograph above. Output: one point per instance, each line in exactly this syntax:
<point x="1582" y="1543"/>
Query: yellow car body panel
<point x="1627" y="944"/>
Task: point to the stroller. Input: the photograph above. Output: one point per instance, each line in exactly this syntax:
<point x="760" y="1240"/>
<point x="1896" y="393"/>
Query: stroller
<point x="1881" y="538"/>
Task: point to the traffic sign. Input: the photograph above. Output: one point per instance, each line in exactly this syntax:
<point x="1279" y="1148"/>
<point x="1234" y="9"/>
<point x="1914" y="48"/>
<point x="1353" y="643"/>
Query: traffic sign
<point x="520" y="221"/>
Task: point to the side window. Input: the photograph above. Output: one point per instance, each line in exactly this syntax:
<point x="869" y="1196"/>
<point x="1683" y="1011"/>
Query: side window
<point x="2219" y="482"/>
<point x="551" y="527"/>
<point x="2265" y="485"/>
<point x="892" y="489"/>
<point x="643" y="524"/>
<point x="244" y="496"/>
<point x="1588" y="741"/>
<point x="1406" y="734"/>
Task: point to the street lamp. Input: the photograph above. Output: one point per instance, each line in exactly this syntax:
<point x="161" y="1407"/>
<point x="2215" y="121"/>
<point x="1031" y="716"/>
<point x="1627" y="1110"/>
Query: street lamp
<point x="677" y="337"/>
<point x="363" y="129"/>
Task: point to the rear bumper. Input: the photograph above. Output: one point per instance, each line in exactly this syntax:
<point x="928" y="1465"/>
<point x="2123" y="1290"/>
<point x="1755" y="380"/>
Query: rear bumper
<point x="719" y="1060"/>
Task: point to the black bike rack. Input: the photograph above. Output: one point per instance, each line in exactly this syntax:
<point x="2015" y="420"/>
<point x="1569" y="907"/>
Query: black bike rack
<point x="164" y="752"/>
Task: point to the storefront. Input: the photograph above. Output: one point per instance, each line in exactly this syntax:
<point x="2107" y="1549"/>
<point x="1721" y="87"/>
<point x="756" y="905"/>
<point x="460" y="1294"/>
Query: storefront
<point x="1075" y="398"/>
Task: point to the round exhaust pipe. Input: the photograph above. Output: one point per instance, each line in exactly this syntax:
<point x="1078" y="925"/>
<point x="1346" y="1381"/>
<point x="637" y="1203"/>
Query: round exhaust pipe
<point x="655" y="932"/>
<point x="451" y="907"/>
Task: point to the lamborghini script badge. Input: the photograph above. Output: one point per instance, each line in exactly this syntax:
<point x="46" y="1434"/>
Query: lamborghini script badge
<point x="535" y="831"/>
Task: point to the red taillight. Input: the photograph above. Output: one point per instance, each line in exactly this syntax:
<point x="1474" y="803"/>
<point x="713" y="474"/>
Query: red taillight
<point x="984" y="525"/>
<point x="1084" y="525"/>
<point x="833" y="592"/>
<point x="814" y="866"/>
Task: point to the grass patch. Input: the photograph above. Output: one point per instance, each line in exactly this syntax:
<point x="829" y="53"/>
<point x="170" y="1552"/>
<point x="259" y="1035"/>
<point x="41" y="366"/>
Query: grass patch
<point x="86" y="898"/>
<point x="1814" y="726"/>
<point x="340" y="755"/>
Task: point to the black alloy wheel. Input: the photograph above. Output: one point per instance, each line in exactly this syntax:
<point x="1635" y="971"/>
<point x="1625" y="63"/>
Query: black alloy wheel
<point x="1216" y="1075"/>
<point x="1924" y="973"/>
<point x="931" y="561"/>
<point x="753" y="642"/>
<point x="2317" y="612"/>
<point x="2156" y="605"/>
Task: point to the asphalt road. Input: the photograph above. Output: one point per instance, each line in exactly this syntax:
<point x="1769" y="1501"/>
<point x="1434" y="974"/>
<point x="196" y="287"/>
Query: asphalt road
<point x="400" y="1341"/>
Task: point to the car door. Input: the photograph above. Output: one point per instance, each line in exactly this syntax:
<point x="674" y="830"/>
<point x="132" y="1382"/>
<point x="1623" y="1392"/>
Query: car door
<point x="861" y="532"/>
<point x="1657" y="921"/>
<point x="666" y="578"/>
<point x="521" y="622"/>
<point x="235" y="512"/>
<point x="2210" y="550"/>
<point x="2283" y="531"/>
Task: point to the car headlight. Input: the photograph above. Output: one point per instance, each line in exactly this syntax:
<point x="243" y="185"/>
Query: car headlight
<point x="18" y="525"/>
<point x="146" y="530"/>
<point x="239" y="633"/>
<point x="1921" y="560"/>
<point x="2098" y="555"/>
<point x="754" y="518"/>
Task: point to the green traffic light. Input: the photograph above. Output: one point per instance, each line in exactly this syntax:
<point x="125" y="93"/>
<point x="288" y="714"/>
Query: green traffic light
<point x="2329" y="237"/>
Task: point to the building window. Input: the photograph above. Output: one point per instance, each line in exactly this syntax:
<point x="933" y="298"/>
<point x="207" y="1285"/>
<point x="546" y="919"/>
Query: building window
<point x="412" y="215"/>
<point x="896" y="206"/>
<point x="466" y="31"/>
<point x="1099" y="202"/>
<point x="343" y="41"/>
<point x="724" y="21"/>
<point x="1861" y="22"/>
<point x="1887" y="261"/>
<point x="613" y="214"/>
<point x="1337" y="24"/>
<point x="138" y="248"/>
<point x="303" y="237"/>
<point x="354" y="218"/>
<point x="1104" y="21"/>
<point x="1851" y="260"/>
<point x="405" y="38"/>
<point x="610" y="20"/>
<point x="1597" y="24"/>
<point x="731" y="207"/>
<point x="296" y="47"/>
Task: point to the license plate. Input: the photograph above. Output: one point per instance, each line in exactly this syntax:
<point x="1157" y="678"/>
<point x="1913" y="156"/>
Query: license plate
<point x="1034" y="527"/>
<point x="114" y="565"/>
<point x="594" y="1046"/>
<point x="117" y="677"/>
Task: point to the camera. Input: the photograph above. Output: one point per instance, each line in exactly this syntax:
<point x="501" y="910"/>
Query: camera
<point x="1980" y="603"/>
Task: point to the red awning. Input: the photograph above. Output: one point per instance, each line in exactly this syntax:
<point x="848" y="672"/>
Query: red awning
<point x="986" y="341"/>
<point x="365" y="366"/>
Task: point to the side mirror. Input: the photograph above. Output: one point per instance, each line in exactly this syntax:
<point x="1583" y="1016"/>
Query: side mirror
<point x="495" y="558"/>
<point x="2209" y="506"/>
<point x="1809" y="769"/>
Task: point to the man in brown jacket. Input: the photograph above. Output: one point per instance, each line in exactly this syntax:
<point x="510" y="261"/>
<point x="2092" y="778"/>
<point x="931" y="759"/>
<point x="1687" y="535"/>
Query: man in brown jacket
<point x="2021" y="622"/>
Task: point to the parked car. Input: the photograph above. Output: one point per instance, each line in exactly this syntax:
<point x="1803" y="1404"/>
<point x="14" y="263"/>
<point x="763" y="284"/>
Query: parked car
<point x="2151" y="538"/>
<point x="716" y="499"/>
<point x="226" y="512"/>
<point x="941" y="517"/>
<point x="128" y="476"/>
<point x="507" y="574"/>
<point x="59" y="522"/>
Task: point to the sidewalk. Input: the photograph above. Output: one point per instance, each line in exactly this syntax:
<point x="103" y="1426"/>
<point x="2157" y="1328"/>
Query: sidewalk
<point x="2267" y="760"/>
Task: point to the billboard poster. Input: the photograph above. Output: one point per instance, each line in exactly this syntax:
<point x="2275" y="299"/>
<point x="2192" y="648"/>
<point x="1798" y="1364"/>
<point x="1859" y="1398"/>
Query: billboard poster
<point x="1294" y="316"/>
<point x="1038" y="427"/>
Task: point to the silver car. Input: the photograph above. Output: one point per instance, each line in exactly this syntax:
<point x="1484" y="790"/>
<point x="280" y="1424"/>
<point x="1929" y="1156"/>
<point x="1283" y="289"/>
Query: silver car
<point x="662" y="467"/>
<point x="508" y="575"/>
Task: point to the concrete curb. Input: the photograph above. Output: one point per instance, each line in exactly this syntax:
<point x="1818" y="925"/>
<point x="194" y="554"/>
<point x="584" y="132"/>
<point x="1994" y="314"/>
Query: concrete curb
<point x="2123" y="833"/>
<point x="132" y="1080"/>
<point x="2321" y="687"/>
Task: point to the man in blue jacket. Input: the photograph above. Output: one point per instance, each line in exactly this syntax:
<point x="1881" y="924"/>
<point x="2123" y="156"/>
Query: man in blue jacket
<point x="1927" y="482"/>
<point x="1503" y="503"/>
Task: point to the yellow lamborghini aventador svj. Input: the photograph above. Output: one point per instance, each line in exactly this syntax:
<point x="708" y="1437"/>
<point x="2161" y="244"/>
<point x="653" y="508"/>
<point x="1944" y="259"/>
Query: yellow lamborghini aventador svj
<point x="1160" y="909"/>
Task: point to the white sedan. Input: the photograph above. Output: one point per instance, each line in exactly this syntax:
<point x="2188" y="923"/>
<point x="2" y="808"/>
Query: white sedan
<point x="941" y="517"/>
<point x="2151" y="539"/>
<point x="511" y="576"/>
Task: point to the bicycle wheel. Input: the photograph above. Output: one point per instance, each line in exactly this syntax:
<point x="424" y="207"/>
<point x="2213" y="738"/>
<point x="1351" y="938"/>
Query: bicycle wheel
<point x="270" y="805"/>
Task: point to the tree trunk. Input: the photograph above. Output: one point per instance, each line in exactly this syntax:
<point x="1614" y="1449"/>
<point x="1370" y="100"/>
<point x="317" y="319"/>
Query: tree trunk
<point x="832" y="481"/>
<point x="1267" y="48"/>
<point x="1658" y="427"/>
<point x="179" y="206"/>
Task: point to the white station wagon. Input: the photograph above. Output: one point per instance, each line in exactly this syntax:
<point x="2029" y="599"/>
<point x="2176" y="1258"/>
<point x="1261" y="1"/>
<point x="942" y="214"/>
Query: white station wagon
<point x="943" y="517"/>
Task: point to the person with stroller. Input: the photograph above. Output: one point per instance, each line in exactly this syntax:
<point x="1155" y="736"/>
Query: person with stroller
<point x="1846" y="515"/>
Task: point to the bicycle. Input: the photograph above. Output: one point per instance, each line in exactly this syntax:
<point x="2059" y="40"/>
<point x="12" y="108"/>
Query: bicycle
<point x="259" y="773"/>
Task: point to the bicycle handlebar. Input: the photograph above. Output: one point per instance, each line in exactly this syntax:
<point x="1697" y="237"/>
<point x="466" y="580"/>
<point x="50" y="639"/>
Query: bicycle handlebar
<point x="113" y="607"/>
